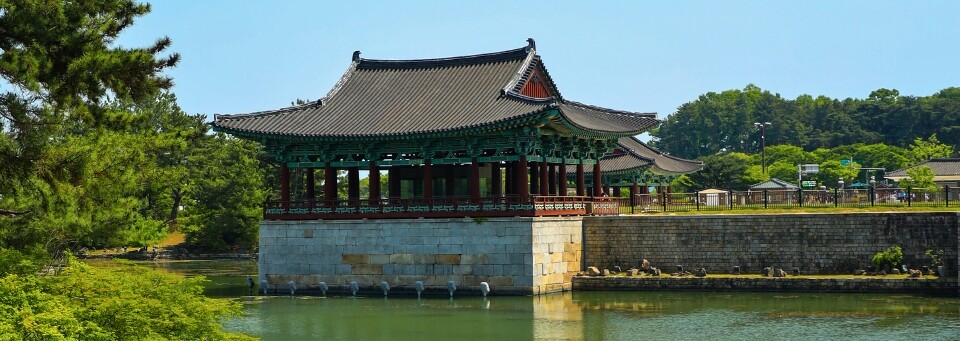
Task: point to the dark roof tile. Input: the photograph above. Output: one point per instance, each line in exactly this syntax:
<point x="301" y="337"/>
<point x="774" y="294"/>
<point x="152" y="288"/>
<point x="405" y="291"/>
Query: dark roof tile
<point x="397" y="97"/>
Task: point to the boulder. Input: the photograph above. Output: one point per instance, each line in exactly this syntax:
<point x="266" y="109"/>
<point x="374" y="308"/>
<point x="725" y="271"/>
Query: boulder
<point x="895" y="271"/>
<point x="593" y="271"/>
<point x="654" y="271"/>
<point x="779" y="273"/>
<point x="606" y="272"/>
<point x="736" y="270"/>
<point x="700" y="272"/>
<point x="616" y="269"/>
<point x="768" y="271"/>
<point x="860" y="272"/>
<point x="645" y="265"/>
<point x="916" y="273"/>
<point x="633" y="272"/>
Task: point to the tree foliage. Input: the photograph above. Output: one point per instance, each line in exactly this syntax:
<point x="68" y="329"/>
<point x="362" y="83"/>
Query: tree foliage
<point x="122" y="303"/>
<point x="724" y="121"/>
<point x="66" y="163"/>
<point x="225" y="194"/>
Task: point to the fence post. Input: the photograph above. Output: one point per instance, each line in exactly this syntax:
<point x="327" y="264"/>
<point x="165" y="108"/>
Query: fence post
<point x="730" y="198"/>
<point x="946" y="194"/>
<point x="663" y="200"/>
<point x="873" y="195"/>
<point x="800" y="197"/>
<point x="909" y="195"/>
<point x="836" y="192"/>
<point x="697" y="199"/>
<point x="764" y="199"/>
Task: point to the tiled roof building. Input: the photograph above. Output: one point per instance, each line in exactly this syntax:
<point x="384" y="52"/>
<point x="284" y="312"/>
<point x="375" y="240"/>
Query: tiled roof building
<point x="433" y="124"/>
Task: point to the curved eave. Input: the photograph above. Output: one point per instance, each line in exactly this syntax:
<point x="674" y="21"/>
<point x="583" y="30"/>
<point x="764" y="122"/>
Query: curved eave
<point x="561" y="122"/>
<point x="516" y="121"/>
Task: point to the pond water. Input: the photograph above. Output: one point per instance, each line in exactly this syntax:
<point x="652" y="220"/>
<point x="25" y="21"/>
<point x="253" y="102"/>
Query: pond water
<point x="581" y="315"/>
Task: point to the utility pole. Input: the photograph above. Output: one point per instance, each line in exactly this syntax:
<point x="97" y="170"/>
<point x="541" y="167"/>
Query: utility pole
<point x="763" y="145"/>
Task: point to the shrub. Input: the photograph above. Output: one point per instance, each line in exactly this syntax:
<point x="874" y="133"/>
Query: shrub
<point x="936" y="258"/>
<point x="891" y="257"/>
<point x="123" y="303"/>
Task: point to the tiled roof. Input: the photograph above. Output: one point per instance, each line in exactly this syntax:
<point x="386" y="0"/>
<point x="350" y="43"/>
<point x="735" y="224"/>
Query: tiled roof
<point x="940" y="167"/>
<point x="666" y="163"/>
<point x="636" y="154"/>
<point x="774" y="183"/>
<point x="400" y="97"/>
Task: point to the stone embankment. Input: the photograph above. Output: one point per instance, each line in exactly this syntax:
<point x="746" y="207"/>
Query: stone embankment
<point x="936" y="286"/>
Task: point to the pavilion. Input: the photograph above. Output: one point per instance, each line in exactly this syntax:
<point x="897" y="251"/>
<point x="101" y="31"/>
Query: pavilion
<point x="479" y="135"/>
<point x="483" y="145"/>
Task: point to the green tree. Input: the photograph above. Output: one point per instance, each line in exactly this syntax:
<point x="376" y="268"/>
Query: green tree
<point x="723" y="171"/>
<point x="831" y="171"/>
<point x="226" y="193"/>
<point x="920" y="178"/>
<point x="923" y="150"/>
<point x="60" y="67"/>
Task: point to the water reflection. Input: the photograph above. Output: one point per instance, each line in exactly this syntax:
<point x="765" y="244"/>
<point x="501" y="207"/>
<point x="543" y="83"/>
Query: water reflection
<point x="580" y="315"/>
<point x="605" y="315"/>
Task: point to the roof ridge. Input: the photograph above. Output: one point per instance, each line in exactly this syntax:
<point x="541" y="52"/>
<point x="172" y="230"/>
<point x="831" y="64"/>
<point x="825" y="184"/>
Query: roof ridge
<point x="363" y="63"/>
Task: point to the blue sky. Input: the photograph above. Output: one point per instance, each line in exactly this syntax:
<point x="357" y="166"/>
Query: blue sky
<point x="242" y="56"/>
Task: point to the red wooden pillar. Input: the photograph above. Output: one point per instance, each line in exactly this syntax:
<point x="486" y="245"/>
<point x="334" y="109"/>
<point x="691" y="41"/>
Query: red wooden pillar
<point x="581" y="180"/>
<point x="634" y="190"/>
<point x="544" y="178"/>
<point x="597" y="185"/>
<point x="285" y="185"/>
<point x="534" y="173"/>
<point x="374" y="198"/>
<point x="496" y="181"/>
<point x="474" y="180"/>
<point x="562" y="179"/>
<point x="427" y="182"/>
<point x="521" y="179"/>
<point x="553" y="179"/>
<point x="450" y="180"/>
<point x="311" y="193"/>
<point x="330" y="185"/>
<point x="353" y="184"/>
<point x="393" y="182"/>
<point x="645" y="189"/>
<point x="509" y="182"/>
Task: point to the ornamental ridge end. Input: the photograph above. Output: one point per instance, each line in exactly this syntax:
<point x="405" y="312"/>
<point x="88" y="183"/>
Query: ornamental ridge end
<point x="356" y="56"/>
<point x="531" y="44"/>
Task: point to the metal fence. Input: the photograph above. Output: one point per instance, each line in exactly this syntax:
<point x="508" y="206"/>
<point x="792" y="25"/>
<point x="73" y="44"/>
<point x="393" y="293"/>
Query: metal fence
<point x="770" y="199"/>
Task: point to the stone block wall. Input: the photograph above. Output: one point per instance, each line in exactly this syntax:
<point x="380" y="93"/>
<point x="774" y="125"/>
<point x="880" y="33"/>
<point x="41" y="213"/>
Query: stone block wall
<point x="815" y="243"/>
<point x="514" y="255"/>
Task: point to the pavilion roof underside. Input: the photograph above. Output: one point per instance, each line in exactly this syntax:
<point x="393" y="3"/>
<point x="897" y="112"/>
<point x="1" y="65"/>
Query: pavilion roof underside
<point x="386" y="98"/>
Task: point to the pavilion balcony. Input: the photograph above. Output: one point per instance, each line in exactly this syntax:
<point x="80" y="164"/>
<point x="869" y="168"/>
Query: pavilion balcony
<point x="441" y="207"/>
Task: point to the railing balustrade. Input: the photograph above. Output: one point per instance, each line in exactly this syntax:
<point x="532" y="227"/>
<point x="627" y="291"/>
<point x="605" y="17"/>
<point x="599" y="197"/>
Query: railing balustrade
<point x="440" y="207"/>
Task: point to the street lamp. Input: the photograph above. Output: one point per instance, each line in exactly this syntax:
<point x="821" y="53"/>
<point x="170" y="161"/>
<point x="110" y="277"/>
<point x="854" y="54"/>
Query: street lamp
<point x="873" y="182"/>
<point x="763" y="145"/>
<point x="840" y="183"/>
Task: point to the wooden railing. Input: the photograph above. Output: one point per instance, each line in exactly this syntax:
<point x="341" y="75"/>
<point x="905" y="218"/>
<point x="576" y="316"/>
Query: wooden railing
<point x="439" y="207"/>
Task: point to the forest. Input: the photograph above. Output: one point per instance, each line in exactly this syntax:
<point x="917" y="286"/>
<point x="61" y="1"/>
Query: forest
<point x="884" y="130"/>
<point x="725" y="121"/>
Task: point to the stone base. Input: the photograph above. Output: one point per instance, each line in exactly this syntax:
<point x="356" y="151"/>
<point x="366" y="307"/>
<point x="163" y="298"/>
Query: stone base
<point x="515" y="256"/>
